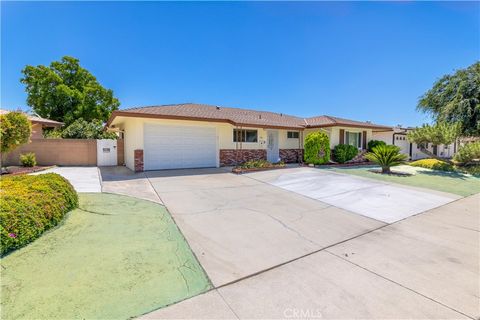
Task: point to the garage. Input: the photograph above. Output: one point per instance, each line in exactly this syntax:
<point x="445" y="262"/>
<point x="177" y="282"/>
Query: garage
<point x="179" y="147"/>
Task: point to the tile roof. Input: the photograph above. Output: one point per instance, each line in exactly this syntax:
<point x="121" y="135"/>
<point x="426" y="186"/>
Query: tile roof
<point x="36" y="119"/>
<point x="238" y="116"/>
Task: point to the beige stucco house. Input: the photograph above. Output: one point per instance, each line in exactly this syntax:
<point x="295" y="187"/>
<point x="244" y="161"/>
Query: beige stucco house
<point x="197" y="135"/>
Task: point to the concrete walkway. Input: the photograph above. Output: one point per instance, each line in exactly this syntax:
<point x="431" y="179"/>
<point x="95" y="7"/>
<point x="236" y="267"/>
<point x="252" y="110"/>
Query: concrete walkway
<point x="424" y="267"/>
<point x="83" y="179"/>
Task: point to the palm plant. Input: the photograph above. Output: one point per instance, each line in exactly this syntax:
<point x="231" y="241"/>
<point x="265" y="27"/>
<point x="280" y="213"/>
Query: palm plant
<point x="386" y="156"/>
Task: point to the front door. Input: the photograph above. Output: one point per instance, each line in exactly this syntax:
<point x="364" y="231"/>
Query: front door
<point x="272" y="146"/>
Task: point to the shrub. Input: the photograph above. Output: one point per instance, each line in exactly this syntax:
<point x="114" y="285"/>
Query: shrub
<point x="468" y="153"/>
<point x="386" y="156"/>
<point x="473" y="170"/>
<point x="433" y="164"/>
<point x="32" y="204"/>
<point x="344" y="152"/>
<point x="373" y="143"/>
<point x="317" y="148"/>
<point x="15" y="130"/>
<point x="81" y="129"/>
<point x="261" y="164"/>
<point x="28" y="159"/>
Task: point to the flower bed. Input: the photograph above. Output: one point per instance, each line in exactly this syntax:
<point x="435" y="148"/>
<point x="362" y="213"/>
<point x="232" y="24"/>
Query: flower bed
<point x="258" y="165"/>
<point x="16" y="170"/>
<point x="31" y="205"/>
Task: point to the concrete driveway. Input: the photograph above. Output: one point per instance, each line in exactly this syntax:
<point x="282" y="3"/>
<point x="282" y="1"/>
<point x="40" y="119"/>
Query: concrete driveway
<point x="277" y="253"/>
<point x="238" y="226"/>
<point x="83" y="179"/>
<point x="375" y="199"/>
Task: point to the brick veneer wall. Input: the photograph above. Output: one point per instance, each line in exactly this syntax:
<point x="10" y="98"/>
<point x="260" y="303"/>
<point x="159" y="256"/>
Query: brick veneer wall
<point x="228" y="157"/>
<point x="291" y="155"/>
<point x="138" y="160"/>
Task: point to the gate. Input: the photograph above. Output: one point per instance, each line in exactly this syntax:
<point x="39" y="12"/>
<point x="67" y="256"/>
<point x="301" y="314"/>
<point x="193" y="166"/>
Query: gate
<point x="106" y="152"/>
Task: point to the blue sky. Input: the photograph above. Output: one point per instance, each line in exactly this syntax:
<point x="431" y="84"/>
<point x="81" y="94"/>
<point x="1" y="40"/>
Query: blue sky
<point x="359" y="60"/>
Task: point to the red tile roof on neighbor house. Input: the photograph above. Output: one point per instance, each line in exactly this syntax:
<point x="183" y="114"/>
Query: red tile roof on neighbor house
<point x="238" y="117"/>
<point x="37" y="119"/>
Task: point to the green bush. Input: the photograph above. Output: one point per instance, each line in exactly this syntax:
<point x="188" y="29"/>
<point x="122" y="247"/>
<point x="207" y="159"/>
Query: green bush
<point x="344" y="152"/>
<point x="32" y="204"/>
<point x="260" y="164"/>
<point x="15" y="130"/>
<point x="317" y="148"/>
<point x="81" y="129"/>
<point x="28" y="159"/>
<point x="433" y="164"/>
<point x="373" y="143"/>
<point x="468" y="153"/>
<point x="386" y="156"/>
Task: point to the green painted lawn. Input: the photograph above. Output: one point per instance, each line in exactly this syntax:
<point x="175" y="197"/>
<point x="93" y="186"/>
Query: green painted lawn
<point x="452" y="182"/>
<point x="116" y="257"/>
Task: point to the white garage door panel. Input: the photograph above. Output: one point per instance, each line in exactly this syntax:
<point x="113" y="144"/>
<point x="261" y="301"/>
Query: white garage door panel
<point x="173" y="147"/>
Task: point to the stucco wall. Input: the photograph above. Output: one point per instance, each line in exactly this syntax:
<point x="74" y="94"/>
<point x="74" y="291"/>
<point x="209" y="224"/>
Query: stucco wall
<point x="37" y="131"/>
<point x="66" y="152"/>
<point x="133" y="138"/>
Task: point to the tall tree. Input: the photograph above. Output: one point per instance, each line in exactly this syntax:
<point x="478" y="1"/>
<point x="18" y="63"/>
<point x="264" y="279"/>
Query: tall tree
<point x="64" y="91"/>
<point x="456" y="98"/>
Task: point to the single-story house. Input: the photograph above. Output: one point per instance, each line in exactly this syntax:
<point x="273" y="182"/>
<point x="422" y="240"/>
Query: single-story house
<point x="38" y="124"/>
<point x="398" y="137"/>
<point x="196" y="135"/>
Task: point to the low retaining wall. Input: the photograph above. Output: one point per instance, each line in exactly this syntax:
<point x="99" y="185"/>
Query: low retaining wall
<point x="63" y="152"/>
<point x="291" y="155"/>
<point x="230" y="157"/>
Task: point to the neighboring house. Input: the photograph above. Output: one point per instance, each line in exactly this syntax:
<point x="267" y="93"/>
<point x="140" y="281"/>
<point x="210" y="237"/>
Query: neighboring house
<point x="38" y="124"/>
<point x="196" y="135"/>
<point x="398" y="137"/>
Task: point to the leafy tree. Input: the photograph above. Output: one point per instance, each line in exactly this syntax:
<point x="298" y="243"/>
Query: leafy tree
<point x="15" y="130"/>
<point x="456" y="98"/>
<point x="81" y="129"/>
<point x="64" y="91"/>
<point x="317" y="148"/>
<point x="386" y="156"/>
<point x="440" y="133"/>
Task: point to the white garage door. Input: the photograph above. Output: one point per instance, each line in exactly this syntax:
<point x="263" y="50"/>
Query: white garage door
<point x="175" y="147"/>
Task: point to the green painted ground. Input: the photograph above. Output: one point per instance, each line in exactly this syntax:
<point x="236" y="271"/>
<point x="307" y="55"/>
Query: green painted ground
<point x="116" y="257"/>
<point x="452" y="182"/>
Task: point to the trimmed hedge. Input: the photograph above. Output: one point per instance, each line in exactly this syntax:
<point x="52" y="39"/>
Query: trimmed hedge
<point x="433" y="164"/>
<point x="344" y="152"/>
<point x="31" y="205"/>
<point x="317" y="148"/>
<point x="373" y="143"/>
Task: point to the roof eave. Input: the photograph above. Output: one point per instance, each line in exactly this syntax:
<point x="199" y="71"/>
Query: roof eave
<point x="172" y="117"/>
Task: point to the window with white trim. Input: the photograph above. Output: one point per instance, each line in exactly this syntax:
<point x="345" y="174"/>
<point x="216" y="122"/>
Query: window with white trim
<point x="353" y="138"/>
<point x="245" y="135"/>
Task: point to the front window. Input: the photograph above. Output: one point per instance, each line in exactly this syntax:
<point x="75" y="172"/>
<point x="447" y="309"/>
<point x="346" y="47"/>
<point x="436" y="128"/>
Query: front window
<point x="293" y="134"/>
<point x="353" y="138"/>
<point x="245" y="135"/>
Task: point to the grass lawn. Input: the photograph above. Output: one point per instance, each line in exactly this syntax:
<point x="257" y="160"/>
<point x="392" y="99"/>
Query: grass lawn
<point x="115" y="257"/>
<point x="452" y="182"/>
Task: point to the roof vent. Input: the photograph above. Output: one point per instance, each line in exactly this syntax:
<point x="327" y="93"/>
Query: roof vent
<point x="218" y="108"/>
<point x="281" y="114"/>
<point x="368" y="121"/>
<point x="259" y="116"/>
